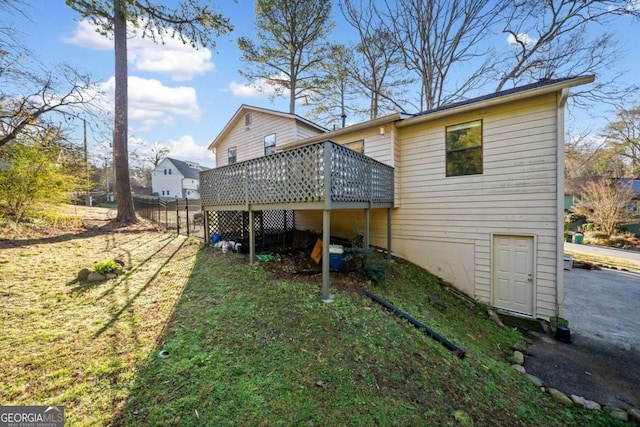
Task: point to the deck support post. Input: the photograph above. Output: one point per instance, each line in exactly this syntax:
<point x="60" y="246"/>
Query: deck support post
<point x="367" y="222"/>
<point x="389" y="233"/>
<point x="205" y="222"/>
<point x="252" y="237"/>
<point x="326" y="241"/>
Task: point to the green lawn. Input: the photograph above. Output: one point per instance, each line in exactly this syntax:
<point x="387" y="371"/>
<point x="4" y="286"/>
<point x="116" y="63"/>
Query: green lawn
<point x="245" y="347"/>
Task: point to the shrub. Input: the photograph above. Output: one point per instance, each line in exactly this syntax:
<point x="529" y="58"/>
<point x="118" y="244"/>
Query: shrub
<point x="368" y="263"/>
<point x="623" y="240"/>
<point x="105" y="267"/>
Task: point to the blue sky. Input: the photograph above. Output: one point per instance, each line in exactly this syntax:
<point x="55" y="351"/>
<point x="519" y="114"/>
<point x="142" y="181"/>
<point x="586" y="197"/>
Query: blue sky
<point x="182" y="97"/>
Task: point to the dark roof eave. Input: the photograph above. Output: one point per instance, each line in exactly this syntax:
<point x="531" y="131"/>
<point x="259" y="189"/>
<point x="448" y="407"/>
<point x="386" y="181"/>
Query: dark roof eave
<point x="501" y="97"/>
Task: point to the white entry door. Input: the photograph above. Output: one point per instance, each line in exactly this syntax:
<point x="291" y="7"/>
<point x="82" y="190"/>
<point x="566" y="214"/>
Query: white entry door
<point x="513" y="273"/>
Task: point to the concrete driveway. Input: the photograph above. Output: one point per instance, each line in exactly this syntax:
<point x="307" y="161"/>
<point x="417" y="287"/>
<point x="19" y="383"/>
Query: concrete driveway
<point x="601" y="363"/>
<point x="604" y="305"/>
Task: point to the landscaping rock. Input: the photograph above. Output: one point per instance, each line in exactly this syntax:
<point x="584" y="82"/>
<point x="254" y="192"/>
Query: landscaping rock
<point x="535" y="380"/>
<point x="95" y="277"/>
<point x="519" y="368"/>
<point x="581" y="402"/>
<point x="521" y="347"/>
<point x="111" y="275"/>
<point x="617" y="413"/>
<point x="493" y="316"/>
<point x="634" y="415"/>
<point x="83" y="274"/>
<point x="594" y="406"/>
<point x="560" y="397"/>
<point x="517" y="358"/>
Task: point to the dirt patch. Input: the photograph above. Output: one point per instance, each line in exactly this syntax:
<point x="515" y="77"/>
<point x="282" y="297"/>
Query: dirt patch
<point x="69" y="221"/>
<point x="298" y="266"/>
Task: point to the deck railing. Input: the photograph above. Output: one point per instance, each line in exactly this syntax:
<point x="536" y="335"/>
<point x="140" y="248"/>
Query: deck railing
<point x="325" y="175"/>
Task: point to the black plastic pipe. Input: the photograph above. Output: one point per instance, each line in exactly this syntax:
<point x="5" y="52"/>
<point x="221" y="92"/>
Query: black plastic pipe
<point x="451" y="347"/>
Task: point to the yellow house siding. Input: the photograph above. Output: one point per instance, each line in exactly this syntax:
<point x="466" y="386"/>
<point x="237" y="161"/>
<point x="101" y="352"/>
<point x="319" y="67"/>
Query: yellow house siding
<point x="249" y="140"/>
<point x="515" y="195"/>
<point x="446" y="224"/>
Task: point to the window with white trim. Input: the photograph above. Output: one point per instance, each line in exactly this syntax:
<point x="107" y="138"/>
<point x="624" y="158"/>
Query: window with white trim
<point x="269" y="143"/>
<point x="464" y="149"/>
<point x="232" y="155"/>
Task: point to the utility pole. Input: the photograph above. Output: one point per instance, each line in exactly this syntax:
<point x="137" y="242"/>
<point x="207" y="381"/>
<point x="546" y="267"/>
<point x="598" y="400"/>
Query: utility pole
<point x="86" y="163"/>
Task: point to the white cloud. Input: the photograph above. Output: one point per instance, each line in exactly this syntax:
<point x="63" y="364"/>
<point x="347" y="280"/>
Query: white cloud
<point x="250" y="90"/>
<point x="151" y="102"/>
<point x="85" y="35"/>
<point x="178" y="60"/>
<point x="521" y="38"/>
<point x="174" y="58"/>
<point x="186" y="148"/>
<point x="633" y="6"/>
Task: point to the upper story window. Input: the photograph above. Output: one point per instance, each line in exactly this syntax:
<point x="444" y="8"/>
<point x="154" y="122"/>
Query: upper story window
<point x="165" y="171"/>
<point x="464" y="148"/>
<point x="232" y="155"/>
<point x="169" y="171"/>
<point x="247" y="119"/>
<point x="269" y="143"/>
<point x="356" y="146"/>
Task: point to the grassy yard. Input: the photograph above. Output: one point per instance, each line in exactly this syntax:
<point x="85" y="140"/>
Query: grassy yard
<point x="245" y="347"/>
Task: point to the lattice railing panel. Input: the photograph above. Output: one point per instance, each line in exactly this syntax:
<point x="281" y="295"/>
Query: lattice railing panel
<point x="298" y="176"/>
<point x="223" y="186"/>
<point x="381" y="182"/>
<point x="350" y="175"/>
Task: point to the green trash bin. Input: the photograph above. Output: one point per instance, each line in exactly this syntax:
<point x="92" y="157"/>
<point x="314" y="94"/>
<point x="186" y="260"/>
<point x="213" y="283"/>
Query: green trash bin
<point x="577" y="238"/>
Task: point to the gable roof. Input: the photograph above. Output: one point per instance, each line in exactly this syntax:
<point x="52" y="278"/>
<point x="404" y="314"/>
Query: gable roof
<point x="186" y="169"/>
<point x="244" y="108"/>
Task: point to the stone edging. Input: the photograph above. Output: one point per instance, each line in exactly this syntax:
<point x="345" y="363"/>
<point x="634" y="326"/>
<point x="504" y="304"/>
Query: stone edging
<point x="517" y="360"/>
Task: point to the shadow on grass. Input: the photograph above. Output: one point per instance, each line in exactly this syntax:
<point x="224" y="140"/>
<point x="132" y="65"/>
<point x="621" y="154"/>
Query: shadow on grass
<point x="115" y="316"/>
<point x="80" y="286"/>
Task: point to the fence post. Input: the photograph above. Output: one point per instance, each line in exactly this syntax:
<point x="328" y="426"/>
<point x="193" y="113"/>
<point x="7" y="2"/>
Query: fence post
<point x="166" y="215"/>
<point x="177" y="216"/>
<point x="186" y="208"/>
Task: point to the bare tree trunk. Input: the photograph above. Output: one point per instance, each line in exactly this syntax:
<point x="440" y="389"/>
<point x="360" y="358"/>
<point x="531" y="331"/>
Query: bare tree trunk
<point x="292" y="92"/>
<point x="126" y="213"/>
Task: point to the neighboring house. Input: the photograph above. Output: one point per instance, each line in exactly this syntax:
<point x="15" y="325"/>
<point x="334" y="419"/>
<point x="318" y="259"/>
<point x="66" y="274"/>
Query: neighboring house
<point x="478" y="190"/>
<point x="634" y="206"/>
<point x="176" y="178"/>
<point x="253" y="132"/>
